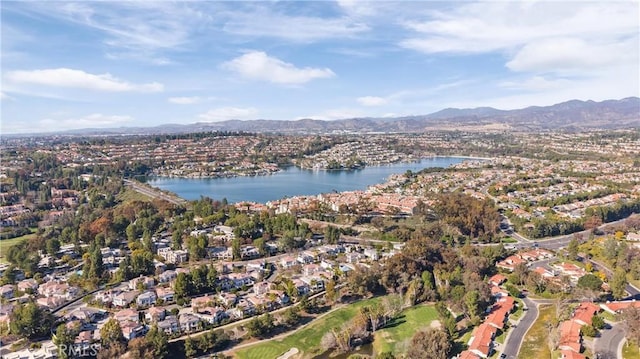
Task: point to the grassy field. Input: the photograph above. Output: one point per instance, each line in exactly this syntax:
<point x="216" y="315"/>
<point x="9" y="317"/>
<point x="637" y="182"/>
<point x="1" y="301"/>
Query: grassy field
<point x="630" y="351"/>
<point x="535" y="342"/>
<point x="307" y="340"/>
<point x="411" y="321"/>
<point x="6" y="243"/>
<point x="130" y="195"/>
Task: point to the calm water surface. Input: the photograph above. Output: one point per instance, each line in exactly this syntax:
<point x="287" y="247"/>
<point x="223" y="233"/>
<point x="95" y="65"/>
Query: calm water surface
<point x="292" y="181"/>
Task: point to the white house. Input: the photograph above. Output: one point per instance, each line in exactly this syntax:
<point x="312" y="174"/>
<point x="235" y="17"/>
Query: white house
<point x="146" y="299"/>
<point x="169" y="325"/>
<point x="188" y="322"/>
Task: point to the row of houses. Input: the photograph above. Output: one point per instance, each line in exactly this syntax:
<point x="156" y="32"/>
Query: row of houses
<point x="481" y="343"/>
<point x="524" y="257"/>
<point x="570" y="331"/>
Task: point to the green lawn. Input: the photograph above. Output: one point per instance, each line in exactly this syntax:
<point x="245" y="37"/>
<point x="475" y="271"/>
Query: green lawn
<point x="130" y="195"/>
<point x="410" y="321"/>
<point x="509" y="240"/>
<point x="630" y="351"/>
<point x="502" y="337"/>
<point x="535" y="341"/>
<point x="307" y="340"/>
<point x="6" y="243"/>
<point x="519" y="311"/>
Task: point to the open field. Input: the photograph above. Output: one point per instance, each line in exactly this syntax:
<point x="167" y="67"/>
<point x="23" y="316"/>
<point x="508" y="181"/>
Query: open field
<point x="404" y="327"/>
<point x="130" y="195"/>
<point x="307" y="340"/>
<point x="6" y="243"/>
<point x="535" y="344"/>
<point x="630" y="351"/>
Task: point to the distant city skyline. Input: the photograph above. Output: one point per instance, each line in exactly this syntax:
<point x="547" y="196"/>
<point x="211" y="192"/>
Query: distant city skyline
<point x="70" y="65"/>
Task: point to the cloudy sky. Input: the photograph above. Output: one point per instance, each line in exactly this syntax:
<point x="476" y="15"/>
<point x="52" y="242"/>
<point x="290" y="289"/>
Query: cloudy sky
<point x="98" y="64"/>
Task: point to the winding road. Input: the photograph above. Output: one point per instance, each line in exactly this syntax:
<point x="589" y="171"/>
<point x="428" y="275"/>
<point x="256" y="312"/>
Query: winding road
<point x="514" y="339"/>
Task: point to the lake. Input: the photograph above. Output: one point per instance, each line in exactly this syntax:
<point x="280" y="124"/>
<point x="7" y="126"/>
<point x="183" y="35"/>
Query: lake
<point x="292" y="181"/>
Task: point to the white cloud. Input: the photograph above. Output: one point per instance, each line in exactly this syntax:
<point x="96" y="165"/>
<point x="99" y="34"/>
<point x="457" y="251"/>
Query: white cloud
<point x="566" y="54"/>
<point x="559" y="50"/>
<point x="228" y="113"/>
<point x="189" y="100"/>
<point x="63" y="77"/>
<point x="372" y="101"/>
<point x="137" y="29"/>
<point x="262" y="22"/>
<point x="96" y="120"/>
<point x="489" y="26"/>
<point x="257" y="65"/>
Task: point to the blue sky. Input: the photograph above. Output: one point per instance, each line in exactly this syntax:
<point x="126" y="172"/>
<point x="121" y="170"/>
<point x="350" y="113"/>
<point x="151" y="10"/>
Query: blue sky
<point x="96" y="64"/>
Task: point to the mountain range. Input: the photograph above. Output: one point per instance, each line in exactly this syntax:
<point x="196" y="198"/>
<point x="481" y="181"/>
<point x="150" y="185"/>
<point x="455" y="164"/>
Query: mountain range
<point x="574" y="115"/>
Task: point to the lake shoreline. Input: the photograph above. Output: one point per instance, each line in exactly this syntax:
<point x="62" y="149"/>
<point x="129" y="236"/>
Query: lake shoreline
<point x="294" y="181"/>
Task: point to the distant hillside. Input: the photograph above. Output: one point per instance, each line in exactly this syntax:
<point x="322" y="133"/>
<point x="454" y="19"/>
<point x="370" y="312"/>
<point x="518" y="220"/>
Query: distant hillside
<point x="572" y="115"/>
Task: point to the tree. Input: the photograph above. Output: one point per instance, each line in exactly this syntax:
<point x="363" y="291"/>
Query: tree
<point x="429" y="344"/>
<point x="597" y="322"/>
<point x="111" y="334"/>
<point x="593" y="223"/>
<point x="330" y="291"/>
<point x="589" y="331"/>
<point x="631" y="320"/>
<point x="471" y="300"/>
<point x="513" y="290"/>
<point x="53" y="246"/>
<point x="291" y="316"/>
<point x="590" y="281"/>
<point x="572" y="249"/>
<point x="64" y="339"/>
<point x="331" y="234"/>
<point x="235" y="248"/>
<point x="190" y="347"/>
<point x="618" y="284"/>
<point x="182" y="285"/>
<point x="260" y="326"/>
<point x="30" y="321"/>
<point x="158" y="341"/>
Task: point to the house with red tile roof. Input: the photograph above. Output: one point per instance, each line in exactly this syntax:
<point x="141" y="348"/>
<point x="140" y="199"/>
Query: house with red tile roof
<point x="570" y="338"/>
<point x="498" y="292"/>
<point x="619" y="306"/>
<point x="497" y="279"/>
<point x="568" y="354"/>
<point x="570" y="270"/>
<point x="481" y="342"/>
<point x="510" y="262"/>
<point x="583" y="315"/>
<point x="467" y="355"/>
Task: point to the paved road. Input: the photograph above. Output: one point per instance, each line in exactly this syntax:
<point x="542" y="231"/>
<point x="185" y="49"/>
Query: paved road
<point x="607" y="344"/>
<point x="155" y="193"/>
<point x="514" y="339"/>
<point x="633" y="291"/>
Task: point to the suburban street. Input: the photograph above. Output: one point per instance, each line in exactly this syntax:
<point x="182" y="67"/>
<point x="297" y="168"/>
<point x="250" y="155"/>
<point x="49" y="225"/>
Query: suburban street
<point x="609" y="341"/>
<point x="514" y="339"/>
